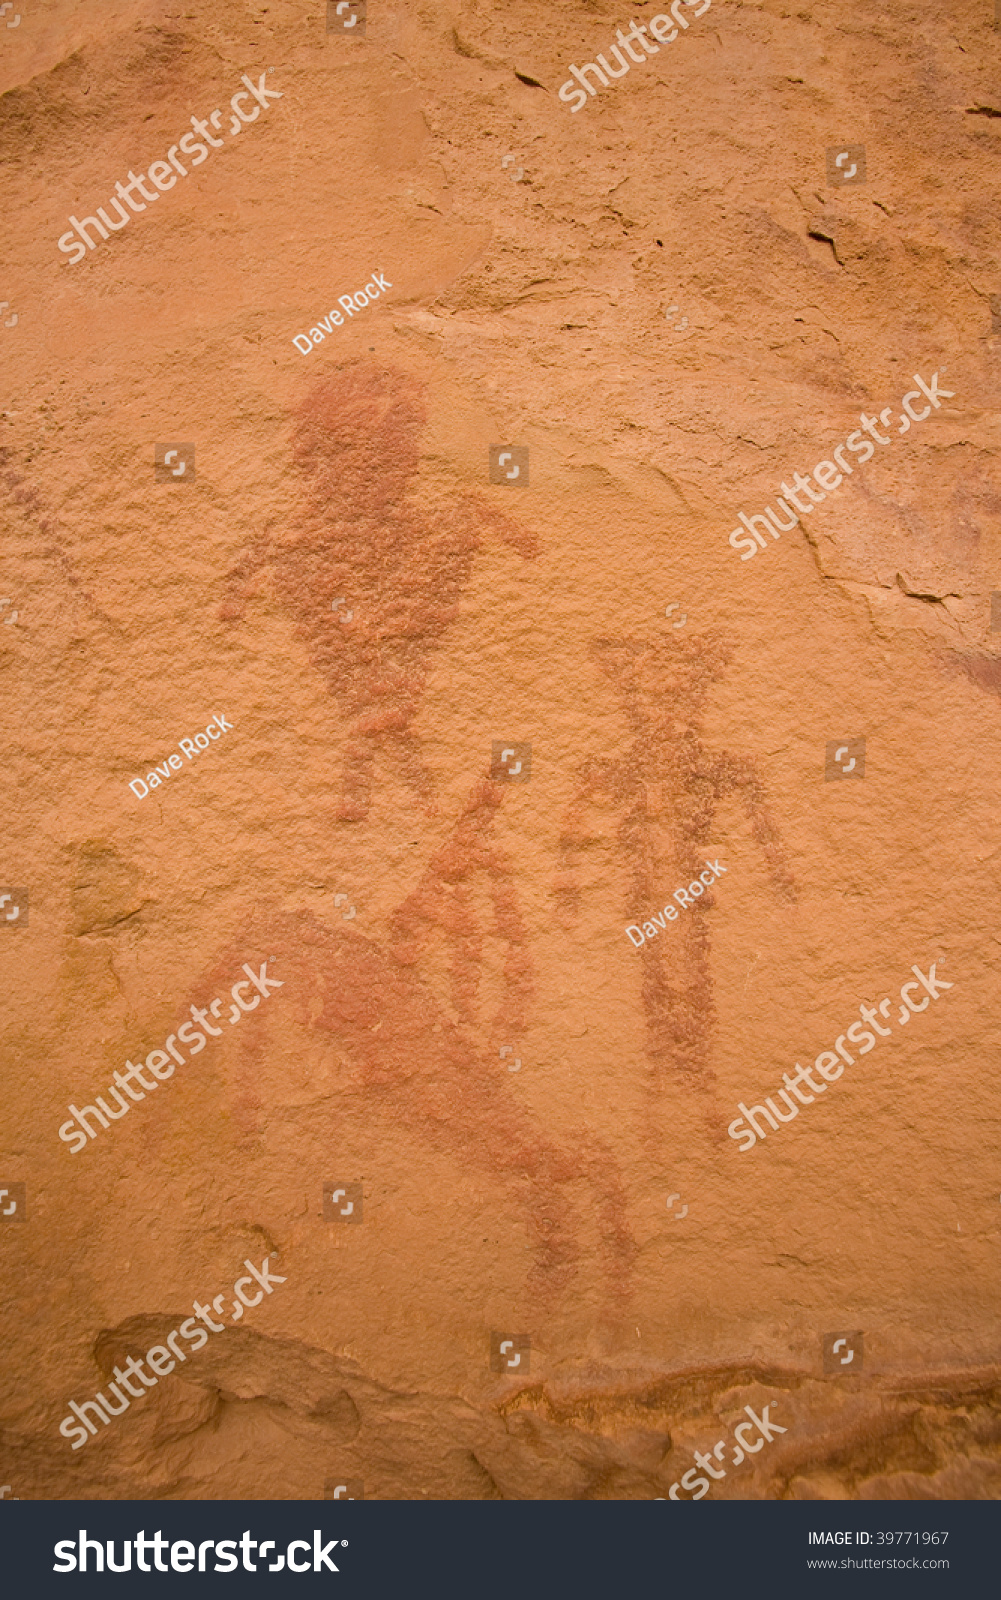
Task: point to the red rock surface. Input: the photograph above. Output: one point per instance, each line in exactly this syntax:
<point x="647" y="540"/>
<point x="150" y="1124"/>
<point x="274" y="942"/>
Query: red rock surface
<point x="489" y="917"/>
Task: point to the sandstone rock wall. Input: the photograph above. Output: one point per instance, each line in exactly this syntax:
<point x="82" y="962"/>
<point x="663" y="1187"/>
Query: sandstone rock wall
<point x="666" y="299"/>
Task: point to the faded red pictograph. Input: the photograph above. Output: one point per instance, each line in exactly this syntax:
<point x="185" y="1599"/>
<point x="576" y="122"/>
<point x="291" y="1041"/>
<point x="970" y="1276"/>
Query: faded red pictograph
<point x="422" y="1046"/>
<point x="662" y="797"/>
<point x="400" y="565"/>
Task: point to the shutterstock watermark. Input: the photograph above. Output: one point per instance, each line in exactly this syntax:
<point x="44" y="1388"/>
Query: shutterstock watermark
<point x="159" y="1358"/>
<point x="664" y="28"/>
<point x="159" y="1062"/>
<point x="508" y="465"/>
<point x="163" y="174"/>
<point x="346" y="16"/>
<point x="845" y="758"/>
<point x="845" y="164"/>
<point x="174" y="463"/>
<point x="826" y="475"/>
<point x="510" y="763"/>
<point x="13" y="1202"/>
<point x="712" y="1464"/>
<point x="843" y="1352"/>
<point x="343" y="1202"/>
<point x="831" y="1063"/>
<point x="17" y="900"/>
<point x="510" y="1353"/>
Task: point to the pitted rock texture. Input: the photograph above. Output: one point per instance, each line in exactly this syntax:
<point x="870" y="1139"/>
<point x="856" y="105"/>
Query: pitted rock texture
<point x="674" y="311"/>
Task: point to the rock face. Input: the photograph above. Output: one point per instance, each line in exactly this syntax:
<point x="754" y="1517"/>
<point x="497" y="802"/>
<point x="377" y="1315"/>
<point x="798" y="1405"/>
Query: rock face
<point x="455" y="1196"/>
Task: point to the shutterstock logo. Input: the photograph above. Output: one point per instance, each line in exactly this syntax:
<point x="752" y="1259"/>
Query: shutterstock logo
<point x="842" y="1352"/>
<point x="14" y="907"/>
<point x="174" y="463"/>
<point x="13" y="1202"/>
<point x="342" y="1202"/>
<point x="73" y="1554"/>
<point x="509" y="465"/>
<point x="510" y="763"/>
<point x="346" y="16"/>
<point x="845" y="164"/>
<point x="510" y="1353"/>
